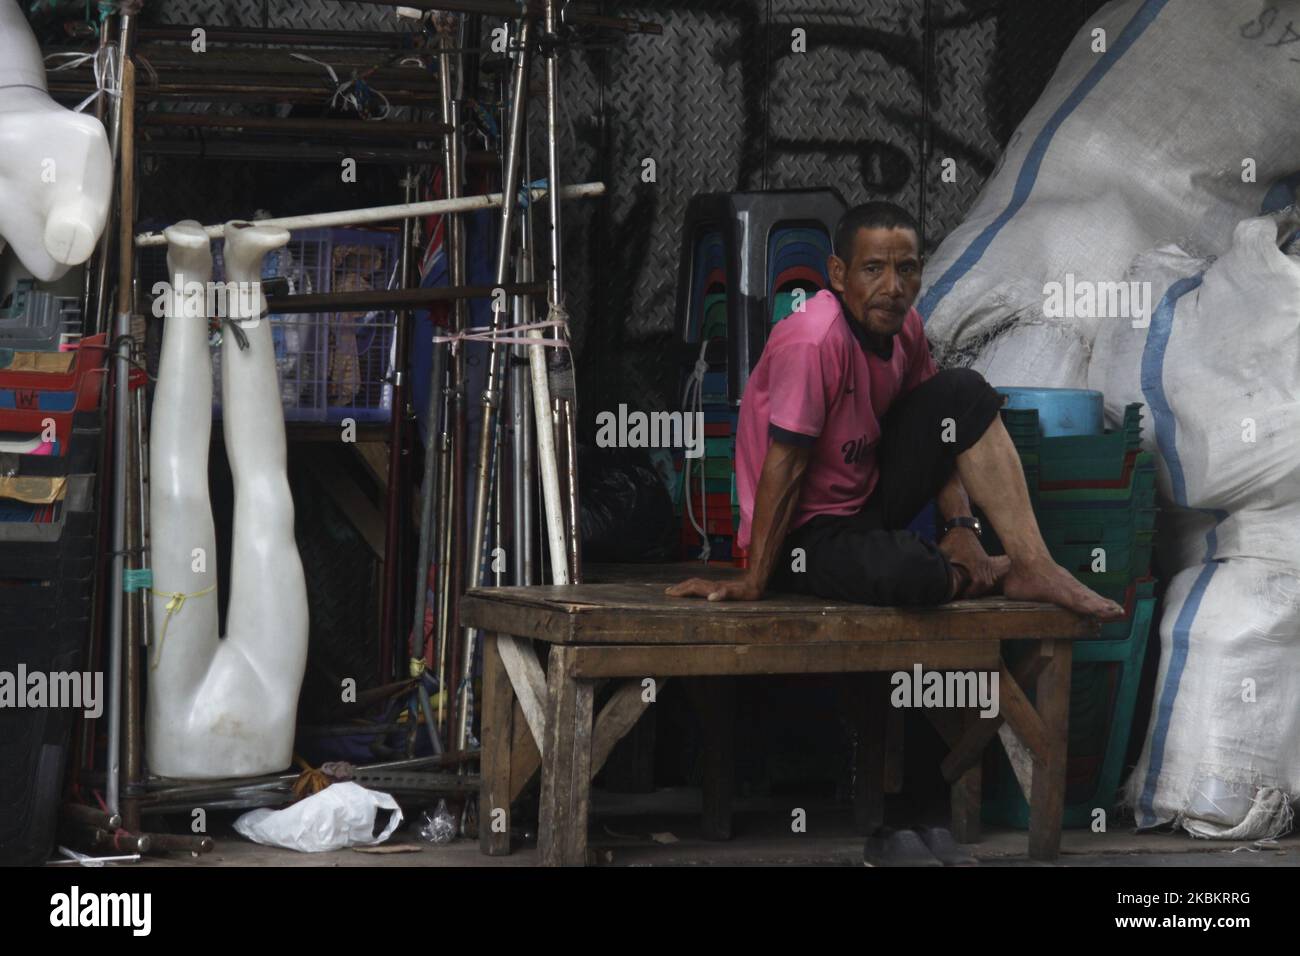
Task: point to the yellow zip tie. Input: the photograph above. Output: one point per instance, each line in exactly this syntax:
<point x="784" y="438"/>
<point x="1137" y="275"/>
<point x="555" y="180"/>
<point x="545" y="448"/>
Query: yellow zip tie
<point x="176" y="601"/>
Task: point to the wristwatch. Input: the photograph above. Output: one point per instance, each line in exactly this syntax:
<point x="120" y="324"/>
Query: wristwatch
<point x="962" y="521"/>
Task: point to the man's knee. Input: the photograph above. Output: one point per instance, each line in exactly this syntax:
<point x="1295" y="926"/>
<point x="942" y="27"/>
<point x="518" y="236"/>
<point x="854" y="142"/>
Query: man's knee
<point x="967" y="403"/>
<point x="959" y="388"/>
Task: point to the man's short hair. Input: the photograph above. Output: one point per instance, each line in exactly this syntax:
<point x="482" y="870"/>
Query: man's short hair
<point x="871" y="215"/>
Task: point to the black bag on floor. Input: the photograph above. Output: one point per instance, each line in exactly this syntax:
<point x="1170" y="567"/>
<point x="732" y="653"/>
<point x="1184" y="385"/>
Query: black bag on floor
<point x="626" y="512"/>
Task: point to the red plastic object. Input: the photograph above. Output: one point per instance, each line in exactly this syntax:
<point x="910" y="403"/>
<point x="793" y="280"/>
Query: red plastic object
<point x="89" y="357"/>
<point x="797" y="273"/>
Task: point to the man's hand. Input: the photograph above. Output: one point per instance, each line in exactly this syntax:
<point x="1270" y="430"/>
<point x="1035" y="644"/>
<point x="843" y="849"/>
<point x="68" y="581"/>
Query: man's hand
<point x="962" y="546"/>
<point x="735" y="590"/>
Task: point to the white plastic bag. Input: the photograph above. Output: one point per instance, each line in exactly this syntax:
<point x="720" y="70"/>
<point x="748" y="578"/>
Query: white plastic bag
<point x="341" y="815"/>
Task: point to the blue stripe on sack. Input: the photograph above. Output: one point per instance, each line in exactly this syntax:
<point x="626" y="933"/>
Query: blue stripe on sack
<point x="1034" y="159"/>
<point x="1153" y="389"/>
<point x="1153" y="386"/>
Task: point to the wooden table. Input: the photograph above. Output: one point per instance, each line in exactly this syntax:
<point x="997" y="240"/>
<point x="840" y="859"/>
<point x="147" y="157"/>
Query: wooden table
<point x="633" y="633"/>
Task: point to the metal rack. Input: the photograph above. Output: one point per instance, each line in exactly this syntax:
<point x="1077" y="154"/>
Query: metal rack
<point x="442" y="527"/>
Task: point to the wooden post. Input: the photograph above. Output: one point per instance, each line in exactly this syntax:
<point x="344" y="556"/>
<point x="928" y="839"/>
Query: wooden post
<point x="864" y="702"/>
<point x="566" y="764"/>
<point x="966" y="793"/>
<point x="715" y="700"/>
<point x="497" y="734"/>
<point x="1047" y="797"/>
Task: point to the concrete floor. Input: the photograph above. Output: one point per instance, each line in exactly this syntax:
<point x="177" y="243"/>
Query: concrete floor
<point x="661" y="829"/>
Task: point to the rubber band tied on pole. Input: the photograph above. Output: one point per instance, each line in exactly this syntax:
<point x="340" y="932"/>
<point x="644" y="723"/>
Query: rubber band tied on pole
<point x="483" y="333"/>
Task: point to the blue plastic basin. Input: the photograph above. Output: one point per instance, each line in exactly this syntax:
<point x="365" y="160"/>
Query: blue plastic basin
<point x="1061" y="411"/>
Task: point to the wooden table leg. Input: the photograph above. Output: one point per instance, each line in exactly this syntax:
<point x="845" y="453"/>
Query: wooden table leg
<point x="715" y="699"/>
<point x="864" y="702"/>
<point x="894" y="750"/>
<point x="1047" y="799"/>
<point x="566" y="764"/>
<point x="496" y="735"/>
<point x="966" y="795"/>
<point x="953" y="726"/>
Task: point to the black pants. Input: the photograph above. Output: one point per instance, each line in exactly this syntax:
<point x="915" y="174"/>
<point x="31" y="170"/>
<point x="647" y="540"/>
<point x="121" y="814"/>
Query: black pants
<point x="868" y="557"/>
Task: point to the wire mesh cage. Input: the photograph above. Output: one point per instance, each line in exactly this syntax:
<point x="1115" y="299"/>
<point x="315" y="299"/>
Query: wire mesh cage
<point x="331" y="365"/>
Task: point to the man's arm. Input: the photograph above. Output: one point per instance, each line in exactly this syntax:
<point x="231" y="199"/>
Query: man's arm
<point x="774" y="504"/>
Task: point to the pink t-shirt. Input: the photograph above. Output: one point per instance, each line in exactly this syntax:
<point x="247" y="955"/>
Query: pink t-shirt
<point x="818" y="383"/>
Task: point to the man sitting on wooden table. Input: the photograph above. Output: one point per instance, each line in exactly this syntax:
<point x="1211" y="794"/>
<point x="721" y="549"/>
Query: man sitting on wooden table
<point x="847" y="429"/>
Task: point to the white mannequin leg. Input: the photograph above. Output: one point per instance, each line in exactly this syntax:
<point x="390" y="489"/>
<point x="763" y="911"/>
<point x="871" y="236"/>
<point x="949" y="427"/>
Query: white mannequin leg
<point x="55" y="166"/>
<point x="222" y="708"/>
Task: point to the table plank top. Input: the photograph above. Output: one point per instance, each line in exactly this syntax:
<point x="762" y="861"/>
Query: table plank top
<point x="641" y="613"/>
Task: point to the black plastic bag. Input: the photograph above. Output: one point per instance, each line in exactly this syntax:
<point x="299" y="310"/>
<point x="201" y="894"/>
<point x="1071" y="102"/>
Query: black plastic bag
<point x="627" y="514"/>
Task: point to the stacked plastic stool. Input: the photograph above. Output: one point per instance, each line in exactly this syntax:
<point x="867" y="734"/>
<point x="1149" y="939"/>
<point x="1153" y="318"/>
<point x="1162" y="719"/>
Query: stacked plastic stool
<point x="747" y="260"/>
<point x="51" y="425"/>
<point x="797" y="268"/>
<point x="762" y="235"/>
<point x="1094" y="497"/>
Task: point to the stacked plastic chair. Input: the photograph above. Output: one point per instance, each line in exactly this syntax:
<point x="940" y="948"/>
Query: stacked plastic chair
<point x="749" y="225"/>
<point x="51" y="424"/>
<point x="746" y="259"/>
<point x="797" y="258"/>
<point x="1094" y="496"/>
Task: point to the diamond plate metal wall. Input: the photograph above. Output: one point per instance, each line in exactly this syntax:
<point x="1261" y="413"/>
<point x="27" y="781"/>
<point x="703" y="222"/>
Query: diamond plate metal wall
<point x="847" y="112"/>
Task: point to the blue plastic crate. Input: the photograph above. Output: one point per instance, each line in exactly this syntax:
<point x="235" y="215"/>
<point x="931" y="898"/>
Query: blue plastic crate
<point x="331" y="365"/>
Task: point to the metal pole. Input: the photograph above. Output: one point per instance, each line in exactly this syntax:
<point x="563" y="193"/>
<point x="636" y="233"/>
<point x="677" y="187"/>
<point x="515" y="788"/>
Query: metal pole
<point x="446" y="541"/>
<point x="521" y="459"/>
<point x="390" y="608"/>
<point x="431" y="490"/>
<point x="132" y="743"/>
<point x="387" y="299"/>
<point x="102" y="307"/>
<point x="389" y="129"/>
<point x="90" y="281"/>
<point x="453" y="423"/>
<point x="121" y="415"/>
<point x="492" y="391"/>
<point x="584" y="14"/>
<point x="520" y="407"/>
<point x="356" y="217"/>
<point x="315" y="152"/>
<point x="183" y="33"/>
<point x="561" y="362"/>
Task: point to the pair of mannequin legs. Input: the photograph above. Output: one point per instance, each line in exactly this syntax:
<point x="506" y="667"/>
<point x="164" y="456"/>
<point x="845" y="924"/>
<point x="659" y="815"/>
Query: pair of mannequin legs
<point x="221" y="707"/>
<point x="56" y="171"/>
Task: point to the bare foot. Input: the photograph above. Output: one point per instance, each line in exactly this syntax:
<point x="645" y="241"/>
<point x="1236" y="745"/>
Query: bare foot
<point x="1048" y="581"/>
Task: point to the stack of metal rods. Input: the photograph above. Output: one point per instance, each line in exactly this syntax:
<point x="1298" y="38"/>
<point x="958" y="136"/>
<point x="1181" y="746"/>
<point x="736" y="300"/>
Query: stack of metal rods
<point x="528" y="404"/>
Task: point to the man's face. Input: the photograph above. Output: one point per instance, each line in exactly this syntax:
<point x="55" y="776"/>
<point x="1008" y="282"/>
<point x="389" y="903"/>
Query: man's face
<point x="881" y="282"/>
